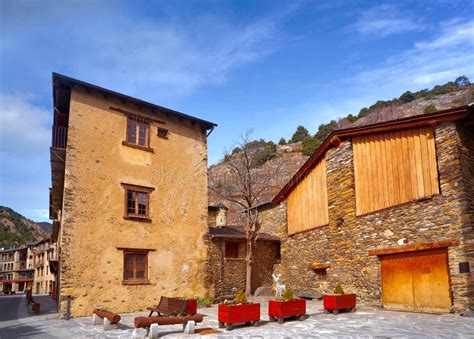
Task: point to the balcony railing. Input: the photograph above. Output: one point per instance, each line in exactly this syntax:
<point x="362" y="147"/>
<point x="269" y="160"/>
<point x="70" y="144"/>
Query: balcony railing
<point x="19" y="266"/>
<point x="59" y="137"/>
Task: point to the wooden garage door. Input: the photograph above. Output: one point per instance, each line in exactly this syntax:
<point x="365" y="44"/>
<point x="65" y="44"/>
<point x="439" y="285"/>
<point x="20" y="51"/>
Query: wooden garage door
<point x="416" y="281"/>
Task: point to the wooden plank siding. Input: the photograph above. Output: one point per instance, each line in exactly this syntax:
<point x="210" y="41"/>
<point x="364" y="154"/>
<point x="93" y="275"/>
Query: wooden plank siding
<point x="308" y="202"/>
<point x="393" y="168"/>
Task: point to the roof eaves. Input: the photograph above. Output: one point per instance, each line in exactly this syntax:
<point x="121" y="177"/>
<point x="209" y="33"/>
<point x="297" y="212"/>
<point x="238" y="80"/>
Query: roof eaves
<point x="402" y="123"/>
<point x="72" y="81"/>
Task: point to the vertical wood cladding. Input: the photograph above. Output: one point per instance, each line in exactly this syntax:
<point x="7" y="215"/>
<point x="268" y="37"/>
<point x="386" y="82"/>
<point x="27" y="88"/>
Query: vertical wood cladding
<point x="308" y="202"/>
<point x="393" y="168"/>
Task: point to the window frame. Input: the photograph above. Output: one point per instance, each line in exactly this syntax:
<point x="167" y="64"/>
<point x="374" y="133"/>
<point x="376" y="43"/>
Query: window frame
<point x="137" y="189"/>
<point x="135" y="251"/>
<point x="162" y="133"/>
<point x="234" y="243"/>
<point x="135" y="144"/>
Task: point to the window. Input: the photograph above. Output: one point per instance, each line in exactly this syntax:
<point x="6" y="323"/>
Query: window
<point x="278" y="251"/>
<point x="162" y="132"/>
<point x="137" y="201"/>
<point x="232" y="249"/>
<point x="135" y="267"/>
<point x="138" y="132"/>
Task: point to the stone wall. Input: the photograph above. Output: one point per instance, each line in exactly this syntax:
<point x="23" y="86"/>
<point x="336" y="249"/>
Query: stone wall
<point x="93" y="228"/>
<point x="466" y="134"/>
<point x="227" y="275"/>
<point x="344" y="246"/>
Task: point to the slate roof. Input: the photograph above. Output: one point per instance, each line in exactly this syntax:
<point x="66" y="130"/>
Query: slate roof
<point x="59" y="79"/>
<point x="234" y="232"/>
<point x="337" y="136"/>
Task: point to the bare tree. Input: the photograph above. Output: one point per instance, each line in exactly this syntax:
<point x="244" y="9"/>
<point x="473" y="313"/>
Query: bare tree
<point x="244" y="185"/>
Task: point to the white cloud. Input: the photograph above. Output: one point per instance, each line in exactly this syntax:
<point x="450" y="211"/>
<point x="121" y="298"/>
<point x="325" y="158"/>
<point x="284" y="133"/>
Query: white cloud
<point x="38" y="214"/>
<point x="453" y="33"/>
<point x="442" y="58"/>
<point x="144" y="56"/>
<point x="445" y="56"/>
<point x="385" y="20"/>
<point x="24" y="128"/>
<point x="25" y="136"/>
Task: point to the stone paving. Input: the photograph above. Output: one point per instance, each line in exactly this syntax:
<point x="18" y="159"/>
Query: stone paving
<point x="364" y="323"/>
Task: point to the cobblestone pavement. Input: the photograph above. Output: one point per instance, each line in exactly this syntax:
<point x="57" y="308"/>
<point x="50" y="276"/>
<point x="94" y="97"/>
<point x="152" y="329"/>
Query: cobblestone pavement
<point x="364" y="323"/>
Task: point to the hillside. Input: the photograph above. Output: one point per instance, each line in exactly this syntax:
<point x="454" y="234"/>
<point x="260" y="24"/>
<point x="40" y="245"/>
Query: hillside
<point x="289" y="159"/>
<point x="292" y="155"/>
<point x="15" y="229"/>
<point x="47" y="226"/>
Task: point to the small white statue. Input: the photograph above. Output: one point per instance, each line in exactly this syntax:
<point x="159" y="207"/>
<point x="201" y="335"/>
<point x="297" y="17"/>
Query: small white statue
<point x="279" y="288"/>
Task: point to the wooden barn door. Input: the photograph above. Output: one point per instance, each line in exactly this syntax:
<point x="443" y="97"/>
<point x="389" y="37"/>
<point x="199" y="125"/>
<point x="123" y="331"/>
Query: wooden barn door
<point x="416" y="281"/>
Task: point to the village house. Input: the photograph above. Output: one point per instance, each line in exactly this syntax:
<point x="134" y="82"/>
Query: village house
<point x="387" y="211"/>
<point x="43" y="255"/>
<point x="227" y="256"/>
<point x="16" y="270"/>
<point x="128" y="199"/>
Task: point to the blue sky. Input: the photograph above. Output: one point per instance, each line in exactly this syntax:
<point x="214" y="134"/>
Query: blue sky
<point x="266" y="65"/>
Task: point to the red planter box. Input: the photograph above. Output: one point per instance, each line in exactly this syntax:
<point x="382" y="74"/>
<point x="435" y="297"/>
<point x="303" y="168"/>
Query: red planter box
<point x="235" y="314"/>
<point x="339" y="302"/>
<point x="191" y="308"/>
<point x="286" y="309"/>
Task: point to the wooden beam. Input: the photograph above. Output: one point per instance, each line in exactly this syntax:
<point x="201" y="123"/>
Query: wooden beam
<point x="136" y="249"/>
<point x="135" y="114"/>
<point x="319" y="266"/>
<point x="415" y="247"/>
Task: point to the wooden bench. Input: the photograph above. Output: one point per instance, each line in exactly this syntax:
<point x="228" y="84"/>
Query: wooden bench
<point x="108" y="319"/>
<point x="170" y="311"/>
<point x="169" y="307"/>
<point x="145" y="322"/>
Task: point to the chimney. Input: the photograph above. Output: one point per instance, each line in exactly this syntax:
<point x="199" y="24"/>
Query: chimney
<point x="221" y="216"/>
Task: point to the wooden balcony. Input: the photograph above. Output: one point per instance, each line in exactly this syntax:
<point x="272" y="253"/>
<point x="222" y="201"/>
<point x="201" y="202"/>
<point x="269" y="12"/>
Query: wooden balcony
<point x="58" y="159"/>
<point x="59" y="138"/>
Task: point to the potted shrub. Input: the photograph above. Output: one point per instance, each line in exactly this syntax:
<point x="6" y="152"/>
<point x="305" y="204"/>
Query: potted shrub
<point x="239" y="312"/>
<point x="192" y="305"/>
<point x="204" y="301"/>
<point x="339" y="301"/>
<point x="286" y="307"/>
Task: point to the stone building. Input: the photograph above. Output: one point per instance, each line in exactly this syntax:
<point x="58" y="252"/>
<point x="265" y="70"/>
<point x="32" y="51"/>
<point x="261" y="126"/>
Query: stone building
<point x="16" y="269"/>
<point x="128" y="199"/>
<point x="387" y="211"/>
<point x="227" y="256"/>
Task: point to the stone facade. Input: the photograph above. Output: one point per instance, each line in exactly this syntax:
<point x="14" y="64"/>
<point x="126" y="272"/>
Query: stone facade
<point x="344" y="243"/>
<point x="227" y="275"/>
<point x="93" y="230"/>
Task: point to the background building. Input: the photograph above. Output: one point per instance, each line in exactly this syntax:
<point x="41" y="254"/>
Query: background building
<point x="43" y="252"/>
<point x="227" y="256"/>
<point x="16" y="269"/>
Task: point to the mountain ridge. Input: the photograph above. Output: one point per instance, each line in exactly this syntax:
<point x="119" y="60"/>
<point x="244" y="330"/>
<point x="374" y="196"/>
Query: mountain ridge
<point x="17" y="230"/>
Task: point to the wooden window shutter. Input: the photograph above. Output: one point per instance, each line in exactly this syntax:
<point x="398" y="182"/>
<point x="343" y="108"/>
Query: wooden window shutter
<point x="308" y="202"/>
<point x="231" y="249"/>
<point x="393" y="168"/>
